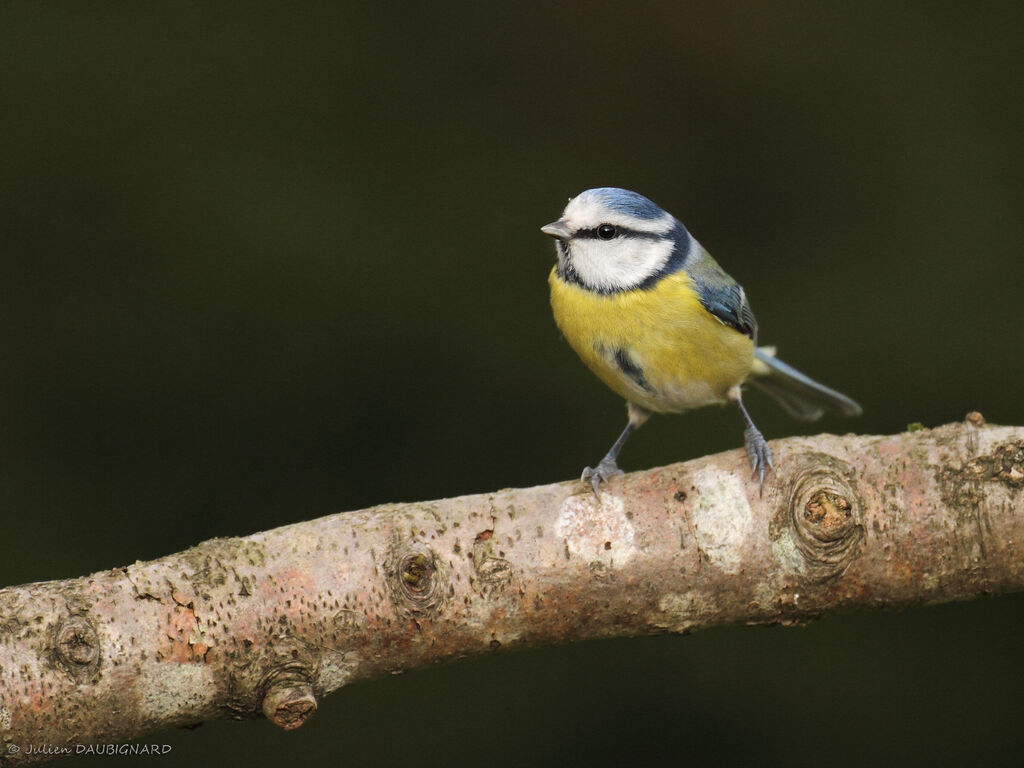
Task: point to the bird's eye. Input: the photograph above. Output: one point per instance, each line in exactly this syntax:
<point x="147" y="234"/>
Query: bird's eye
<point x="606" y="231"/>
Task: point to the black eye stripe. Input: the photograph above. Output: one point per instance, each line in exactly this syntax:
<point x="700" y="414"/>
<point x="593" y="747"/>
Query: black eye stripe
<point x="591" y="234"/>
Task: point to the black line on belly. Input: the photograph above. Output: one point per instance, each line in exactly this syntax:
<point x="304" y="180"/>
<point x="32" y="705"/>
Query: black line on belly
<point x="632" y="370"/>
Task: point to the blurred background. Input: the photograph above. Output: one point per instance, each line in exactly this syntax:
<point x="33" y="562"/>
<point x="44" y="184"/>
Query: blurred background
<point x="265" y="262"/>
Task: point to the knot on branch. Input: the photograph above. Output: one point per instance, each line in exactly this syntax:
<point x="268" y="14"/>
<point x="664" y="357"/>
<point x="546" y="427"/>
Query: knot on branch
<point x="824" y="515"/>
<point x="76" y="647"/>
<point x="417" y="578"/>
<point x="288" y="698"/>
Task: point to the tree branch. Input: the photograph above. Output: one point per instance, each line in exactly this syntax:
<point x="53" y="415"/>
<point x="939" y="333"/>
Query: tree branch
<point x="270" y="623"/>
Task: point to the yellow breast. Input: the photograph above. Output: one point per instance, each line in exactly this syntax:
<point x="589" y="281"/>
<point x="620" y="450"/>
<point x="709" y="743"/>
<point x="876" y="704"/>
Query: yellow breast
<point x="658" y="348"/>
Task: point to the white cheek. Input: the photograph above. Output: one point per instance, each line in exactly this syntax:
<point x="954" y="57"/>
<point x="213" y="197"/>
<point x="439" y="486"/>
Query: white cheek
<point x="620" y="263"/>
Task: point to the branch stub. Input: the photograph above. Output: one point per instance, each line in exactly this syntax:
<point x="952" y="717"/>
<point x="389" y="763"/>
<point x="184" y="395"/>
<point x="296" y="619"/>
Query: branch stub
<point x="289" y="702"/>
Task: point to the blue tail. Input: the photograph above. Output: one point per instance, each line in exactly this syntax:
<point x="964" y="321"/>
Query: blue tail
<point x="801" y="396"/>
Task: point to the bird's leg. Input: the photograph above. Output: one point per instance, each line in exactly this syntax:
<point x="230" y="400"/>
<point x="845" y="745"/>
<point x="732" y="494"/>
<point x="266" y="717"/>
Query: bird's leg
<point x="607" y="468"/>
<point x="758" y="452"/>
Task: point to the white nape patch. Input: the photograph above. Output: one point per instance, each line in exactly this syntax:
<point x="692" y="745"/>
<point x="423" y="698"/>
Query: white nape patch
<point x="597" y="530"/>
<point x="171" y="691"/>
<point x="722" y="518"/>
<point x="620" y="263"/>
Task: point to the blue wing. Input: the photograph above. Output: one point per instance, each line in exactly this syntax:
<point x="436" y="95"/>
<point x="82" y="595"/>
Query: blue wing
<point x="719" y="294"/>
<point x="729" y="304"/>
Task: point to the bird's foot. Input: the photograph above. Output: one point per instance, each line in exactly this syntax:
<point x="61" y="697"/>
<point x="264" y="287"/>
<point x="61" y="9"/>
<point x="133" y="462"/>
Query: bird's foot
<point x="602" y="473"/>
<point x="759" y="453"/>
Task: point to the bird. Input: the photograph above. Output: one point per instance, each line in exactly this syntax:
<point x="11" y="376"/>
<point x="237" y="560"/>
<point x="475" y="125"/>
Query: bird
<point x="655" y="317"/>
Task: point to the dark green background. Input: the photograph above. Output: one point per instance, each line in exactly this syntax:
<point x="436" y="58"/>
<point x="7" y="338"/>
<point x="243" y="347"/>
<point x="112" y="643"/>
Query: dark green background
<point x="263" y="263"/>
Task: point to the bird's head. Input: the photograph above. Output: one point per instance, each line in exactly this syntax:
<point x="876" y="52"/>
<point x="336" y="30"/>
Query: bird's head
<point x="610" y="240"/>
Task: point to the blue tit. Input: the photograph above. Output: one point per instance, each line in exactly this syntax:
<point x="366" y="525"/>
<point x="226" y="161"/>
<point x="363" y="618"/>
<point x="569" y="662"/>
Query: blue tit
<point x="654" y="316"/>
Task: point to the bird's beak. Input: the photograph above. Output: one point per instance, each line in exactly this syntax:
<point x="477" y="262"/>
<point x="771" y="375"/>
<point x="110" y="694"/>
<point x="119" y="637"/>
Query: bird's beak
<point x="557" y="229"/>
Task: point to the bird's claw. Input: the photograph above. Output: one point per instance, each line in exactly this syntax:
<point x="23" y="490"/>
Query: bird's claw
<point x="759" y="453"/>
<point x="602" y="473"/>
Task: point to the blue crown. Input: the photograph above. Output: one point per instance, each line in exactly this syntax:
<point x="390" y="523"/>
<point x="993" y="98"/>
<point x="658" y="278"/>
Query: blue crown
<point x="625" y="201"/>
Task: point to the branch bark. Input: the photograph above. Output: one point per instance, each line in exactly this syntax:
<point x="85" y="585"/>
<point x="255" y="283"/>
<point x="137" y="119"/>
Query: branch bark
<point x="270" y="623"/>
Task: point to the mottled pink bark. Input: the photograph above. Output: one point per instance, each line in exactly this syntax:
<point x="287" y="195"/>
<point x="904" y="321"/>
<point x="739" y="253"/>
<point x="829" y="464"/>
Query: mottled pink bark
<point x="270" y="623"/>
